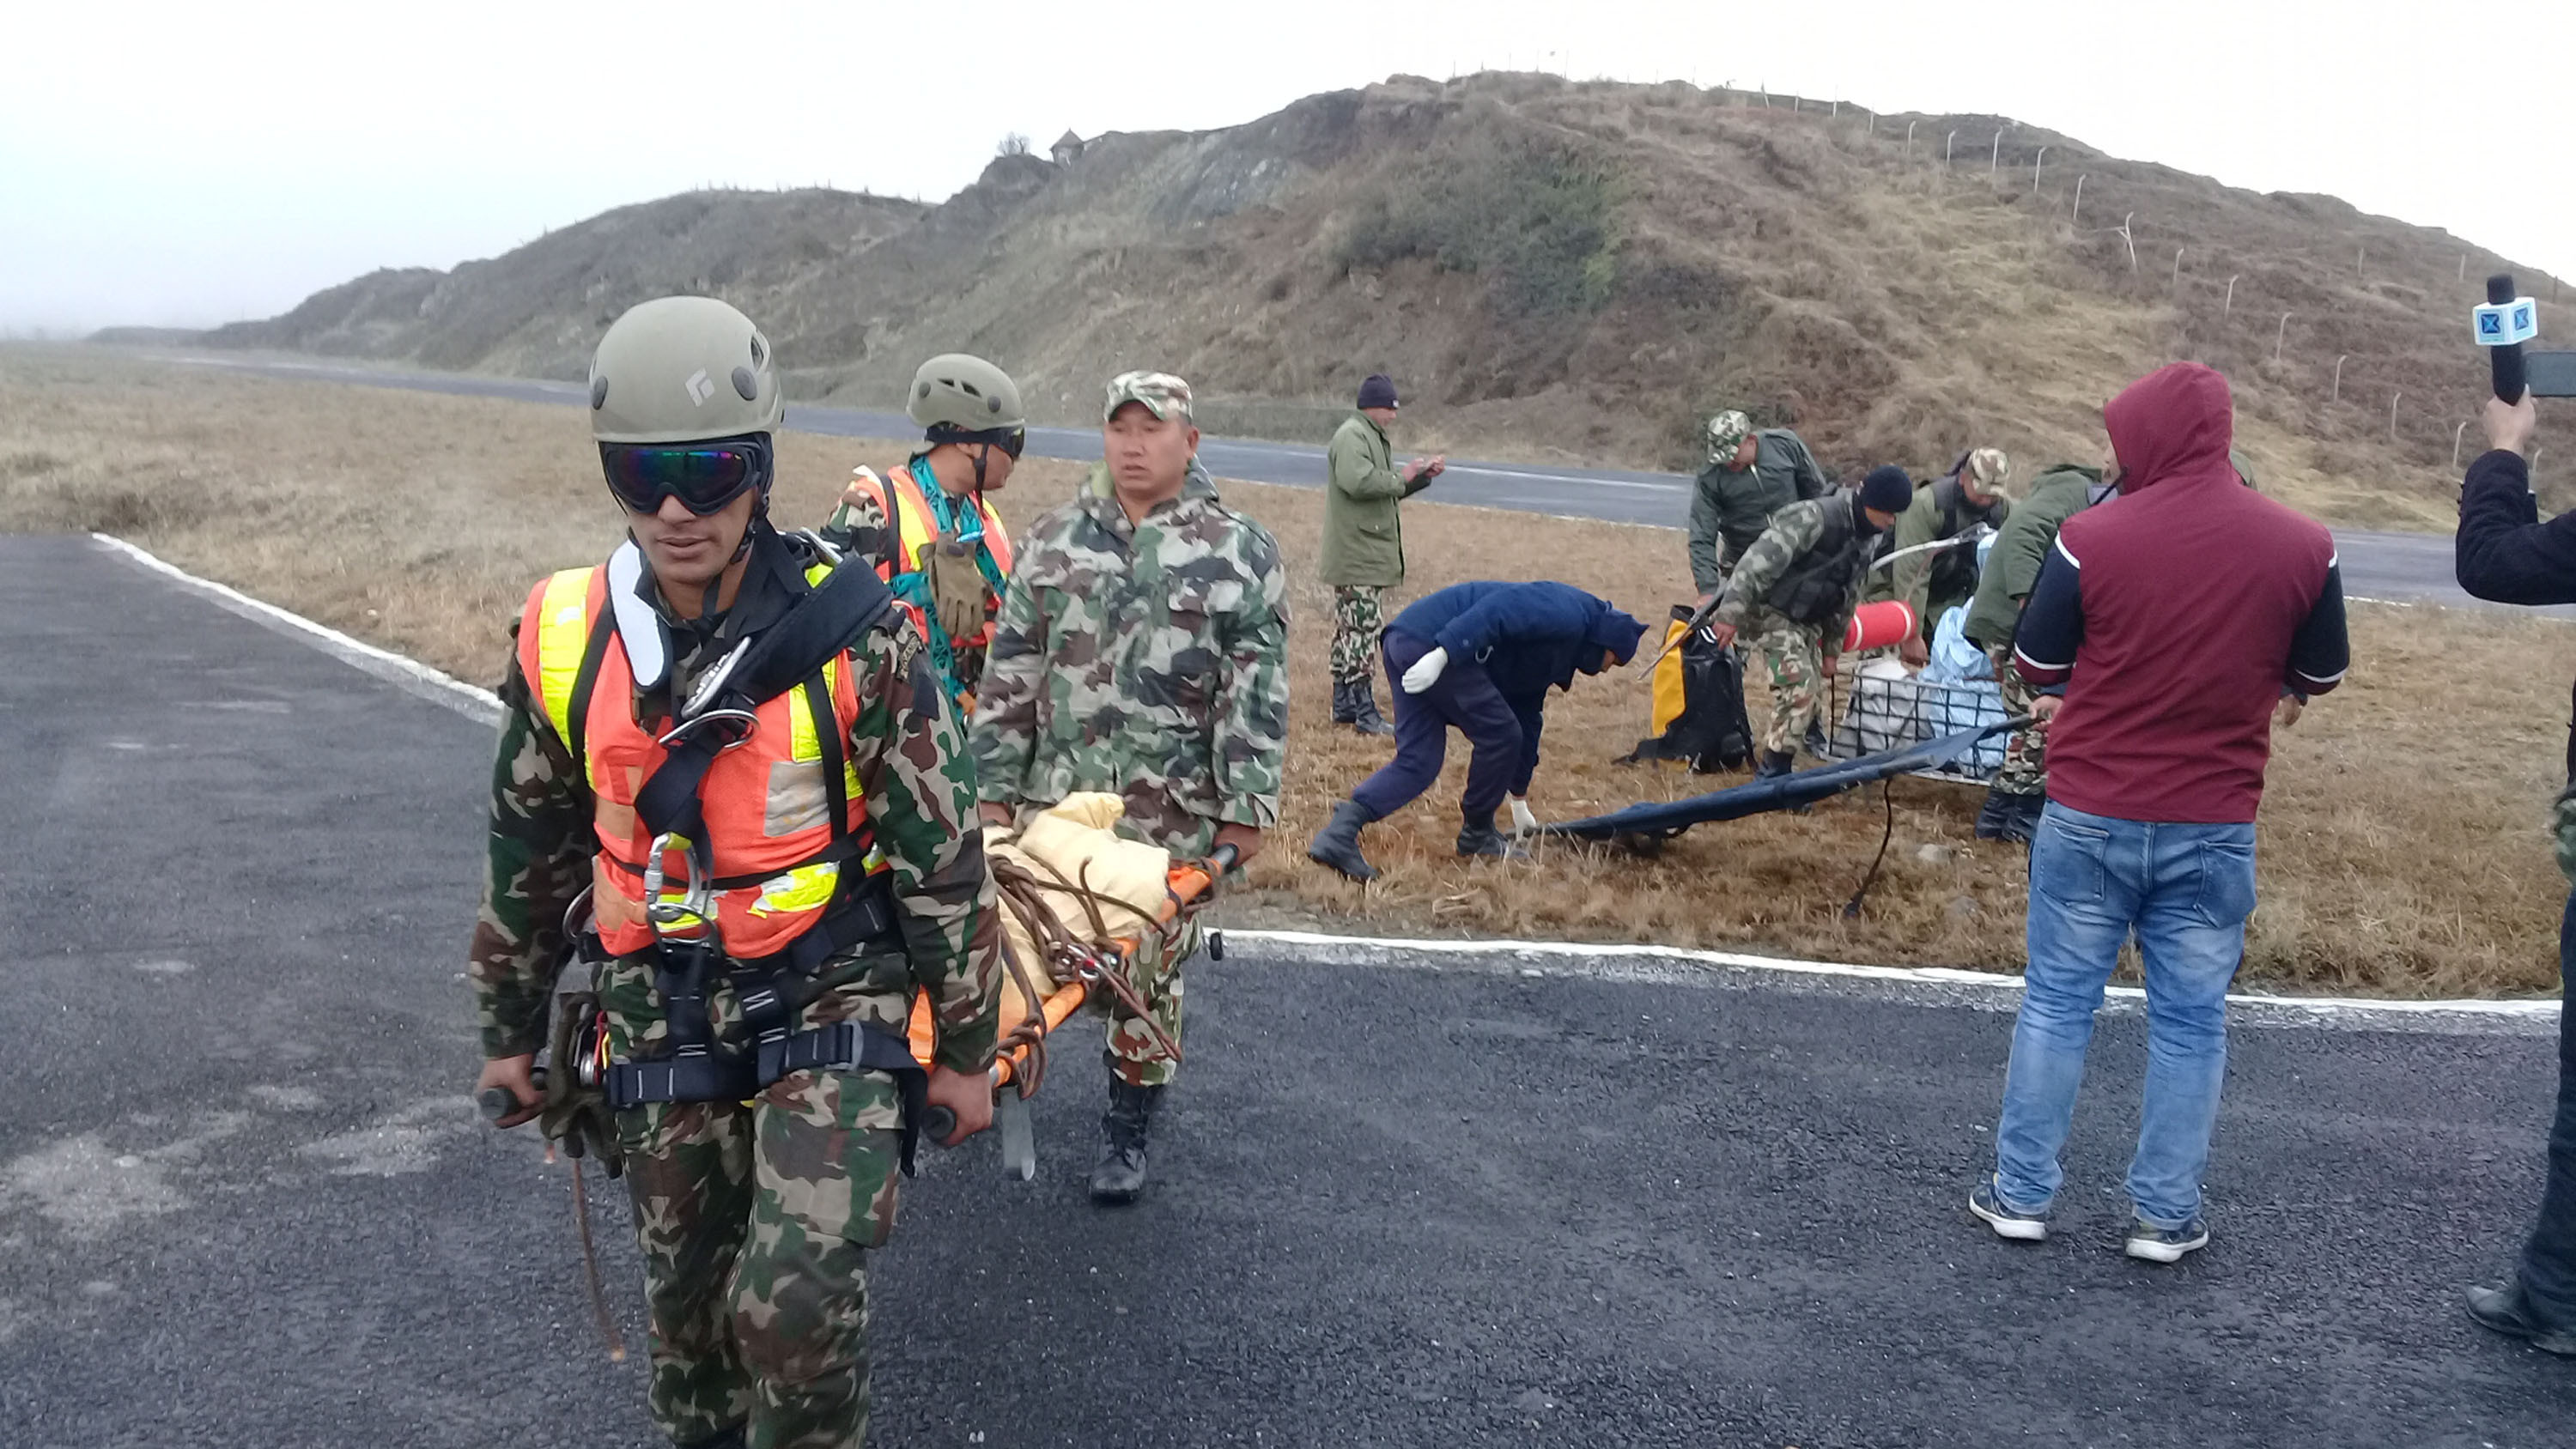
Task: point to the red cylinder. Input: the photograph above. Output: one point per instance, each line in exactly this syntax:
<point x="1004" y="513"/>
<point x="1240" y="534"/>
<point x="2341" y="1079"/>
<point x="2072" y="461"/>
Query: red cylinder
<point x="1878" y="626"/>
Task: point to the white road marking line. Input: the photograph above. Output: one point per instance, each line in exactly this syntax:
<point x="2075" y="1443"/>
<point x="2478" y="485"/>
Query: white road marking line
<point x="399" y="670"/>
<point x="1916" y="975"/>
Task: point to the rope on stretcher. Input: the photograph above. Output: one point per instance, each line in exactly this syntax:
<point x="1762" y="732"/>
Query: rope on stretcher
<point x="1070" y="959"/>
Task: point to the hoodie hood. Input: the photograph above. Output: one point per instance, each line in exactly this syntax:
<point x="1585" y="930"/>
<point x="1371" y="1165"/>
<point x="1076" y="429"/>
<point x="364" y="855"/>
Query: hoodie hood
<point x="1616" y="630"/>
<point x="2173" y="426"/>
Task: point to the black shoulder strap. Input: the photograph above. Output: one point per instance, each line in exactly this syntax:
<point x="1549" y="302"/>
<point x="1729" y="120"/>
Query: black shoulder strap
<point x="835" y="761"/>
<point x="894" y="523"/>
<point x="850" y="601"/>
<point x="585" y="681"/>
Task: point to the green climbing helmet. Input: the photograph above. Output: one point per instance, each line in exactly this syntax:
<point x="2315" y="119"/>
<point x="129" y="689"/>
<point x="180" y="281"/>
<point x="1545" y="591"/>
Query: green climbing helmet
<point x="682" y="370"/>
<point x="959" y="398"/>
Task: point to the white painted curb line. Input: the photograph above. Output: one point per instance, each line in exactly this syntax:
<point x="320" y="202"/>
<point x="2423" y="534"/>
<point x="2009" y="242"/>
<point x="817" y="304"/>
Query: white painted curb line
<point x="479" y="704"/>
<point x="1508" y="953"/>
<point x="408" y="674"/>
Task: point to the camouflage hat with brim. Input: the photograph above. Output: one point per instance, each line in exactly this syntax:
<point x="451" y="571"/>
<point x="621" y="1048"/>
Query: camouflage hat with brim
<point x="1989" y="468"/>
<point x="1726" y="432"/>
<point x="1162" y="394"/>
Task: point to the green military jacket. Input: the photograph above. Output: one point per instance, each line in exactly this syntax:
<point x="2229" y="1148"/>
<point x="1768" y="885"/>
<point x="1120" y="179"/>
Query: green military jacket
<point x="2012" y="568"/>
<point x="1935" y="580"/>
<point x="1795" y="531"/>
<point x="1730" y="508"/>
<point x="1363" y="539"/>
<point x="908" y="750"/>
<point x="1146" y="659"/>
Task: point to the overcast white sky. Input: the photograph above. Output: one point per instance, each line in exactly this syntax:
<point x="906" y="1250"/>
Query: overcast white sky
<point x="186" y="164"/>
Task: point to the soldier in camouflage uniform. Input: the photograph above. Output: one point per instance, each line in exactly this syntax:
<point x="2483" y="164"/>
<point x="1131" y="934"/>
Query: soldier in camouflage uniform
<point x="1142" y="650"/>
<point x="1751" y="474"/>
<point x="943" y="526"/>
<point x="1363" y="546"/>
<point x="1794" y="591"/>
<point x="2019" y="790"/>
<point x="755" y="1217"/>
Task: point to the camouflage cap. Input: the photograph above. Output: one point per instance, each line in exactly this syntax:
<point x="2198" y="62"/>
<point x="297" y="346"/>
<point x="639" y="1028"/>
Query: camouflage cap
<point x="1988" y="468"/>
<point x="1726" y="432"/>
<point x="1161" y="393"/>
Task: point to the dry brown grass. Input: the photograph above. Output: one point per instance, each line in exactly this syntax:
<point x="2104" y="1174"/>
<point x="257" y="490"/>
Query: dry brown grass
<point x="2402" y="842"/>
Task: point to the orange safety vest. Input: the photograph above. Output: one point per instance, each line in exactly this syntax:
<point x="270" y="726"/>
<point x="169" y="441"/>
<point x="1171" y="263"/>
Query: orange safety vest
<point x="916" y="528"/>
<point x="774" y="850"/>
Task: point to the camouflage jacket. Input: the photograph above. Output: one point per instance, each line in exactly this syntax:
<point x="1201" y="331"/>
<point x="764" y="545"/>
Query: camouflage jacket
<point x="1148" y="659"/>
<point x="908" y="750"/>
<point x="1795" y="533"/>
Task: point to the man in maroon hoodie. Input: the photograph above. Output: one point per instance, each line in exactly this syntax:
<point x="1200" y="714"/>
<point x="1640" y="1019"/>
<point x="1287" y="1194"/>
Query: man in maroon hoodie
<point x="2180" y="616"/>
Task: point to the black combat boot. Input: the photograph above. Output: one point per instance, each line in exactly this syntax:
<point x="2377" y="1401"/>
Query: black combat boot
<point x="1344" y="711"/>
<point x="1364" y="715"/>
<point x="1773" y="764"/>
<point x="1816" y="743"/>
<point x="1483" y="839"/>
<point x="1338" y="844"/>
<point x="1119" y="1176"/>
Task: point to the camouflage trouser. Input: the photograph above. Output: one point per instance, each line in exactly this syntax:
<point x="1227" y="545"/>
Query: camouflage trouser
<point x="2025" y="770"/>
<point x="756" y="1219"/>
<point x="1156" y="973"/>
<point x="1792" y="654"/>
<point x="1358" y="624"/>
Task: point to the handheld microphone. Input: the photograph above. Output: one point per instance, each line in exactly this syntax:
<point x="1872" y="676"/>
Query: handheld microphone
<point x="2502" y="326"/>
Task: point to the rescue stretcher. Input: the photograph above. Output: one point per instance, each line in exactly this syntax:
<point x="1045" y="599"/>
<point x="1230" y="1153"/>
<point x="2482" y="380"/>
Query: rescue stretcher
<point x="1069" y="938"/>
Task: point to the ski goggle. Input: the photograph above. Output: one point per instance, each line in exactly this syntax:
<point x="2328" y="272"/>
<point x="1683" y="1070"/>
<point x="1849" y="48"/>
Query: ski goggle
<point x="703" y="476"/>
<point x="1012" y="441"/>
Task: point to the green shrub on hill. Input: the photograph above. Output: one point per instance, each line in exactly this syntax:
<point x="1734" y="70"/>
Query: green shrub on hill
<point x="1538" y="218"/>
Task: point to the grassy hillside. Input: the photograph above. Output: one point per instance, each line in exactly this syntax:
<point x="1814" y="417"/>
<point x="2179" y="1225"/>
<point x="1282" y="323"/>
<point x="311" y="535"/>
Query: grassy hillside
<point x="1557" y="270"/>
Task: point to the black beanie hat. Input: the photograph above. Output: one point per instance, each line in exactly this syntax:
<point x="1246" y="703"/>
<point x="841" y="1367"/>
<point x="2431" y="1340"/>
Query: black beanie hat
<point x="1888" y="489"/>
<point x="1377" y="391"/>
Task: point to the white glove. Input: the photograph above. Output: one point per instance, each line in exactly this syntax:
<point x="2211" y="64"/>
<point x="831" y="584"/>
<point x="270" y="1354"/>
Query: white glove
<point x="1426" y="671"/>
<point x="1523" y="822"/>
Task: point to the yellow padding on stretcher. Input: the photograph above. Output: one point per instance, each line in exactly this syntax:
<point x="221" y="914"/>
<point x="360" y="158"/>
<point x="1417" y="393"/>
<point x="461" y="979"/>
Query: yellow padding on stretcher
<point x="1073" y="841"/>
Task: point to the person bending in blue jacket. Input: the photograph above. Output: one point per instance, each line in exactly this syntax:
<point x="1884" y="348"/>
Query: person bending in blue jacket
<point x="1479" y="656"/>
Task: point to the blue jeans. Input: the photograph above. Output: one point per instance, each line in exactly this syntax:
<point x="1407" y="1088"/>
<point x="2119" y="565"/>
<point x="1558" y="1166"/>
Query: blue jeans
<point x="2185" y="890"/>
<point x="2549" y="1258"/>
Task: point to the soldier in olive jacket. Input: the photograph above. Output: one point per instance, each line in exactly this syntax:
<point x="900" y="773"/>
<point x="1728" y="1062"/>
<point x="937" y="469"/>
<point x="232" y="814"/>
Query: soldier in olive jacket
<point x="1363" y="554"/>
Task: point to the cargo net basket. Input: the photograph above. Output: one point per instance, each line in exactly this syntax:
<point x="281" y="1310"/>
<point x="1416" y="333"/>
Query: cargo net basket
<point x="1881" y="712"/>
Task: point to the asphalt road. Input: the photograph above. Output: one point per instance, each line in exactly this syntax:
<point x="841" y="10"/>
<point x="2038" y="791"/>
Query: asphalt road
<point x="244" y="1201"/>
<point x="2393" y="567"/>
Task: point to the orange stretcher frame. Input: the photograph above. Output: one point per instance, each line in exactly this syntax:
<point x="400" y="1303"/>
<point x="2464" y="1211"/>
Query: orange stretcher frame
<point x="1184" y="887"/>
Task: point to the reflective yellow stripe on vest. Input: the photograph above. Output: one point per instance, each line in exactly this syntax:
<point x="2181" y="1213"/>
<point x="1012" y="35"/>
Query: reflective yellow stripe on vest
<point x="563" y="625"/>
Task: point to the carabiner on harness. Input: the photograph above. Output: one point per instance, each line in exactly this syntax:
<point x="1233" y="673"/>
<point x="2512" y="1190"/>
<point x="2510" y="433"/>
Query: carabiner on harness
<point x="691" y="915"/>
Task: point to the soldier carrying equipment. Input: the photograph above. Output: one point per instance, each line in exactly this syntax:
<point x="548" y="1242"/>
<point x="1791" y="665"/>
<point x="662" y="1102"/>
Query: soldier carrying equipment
<point x="738" y="750"/>
<point x="928" y="528"/>
<point x="1142" y="651"/>
<point x="1794" y="591"/>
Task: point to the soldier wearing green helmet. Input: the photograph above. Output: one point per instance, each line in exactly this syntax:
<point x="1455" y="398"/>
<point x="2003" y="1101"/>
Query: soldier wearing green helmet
<point x="733" y="807"/>
<point x="928" y="528"/>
